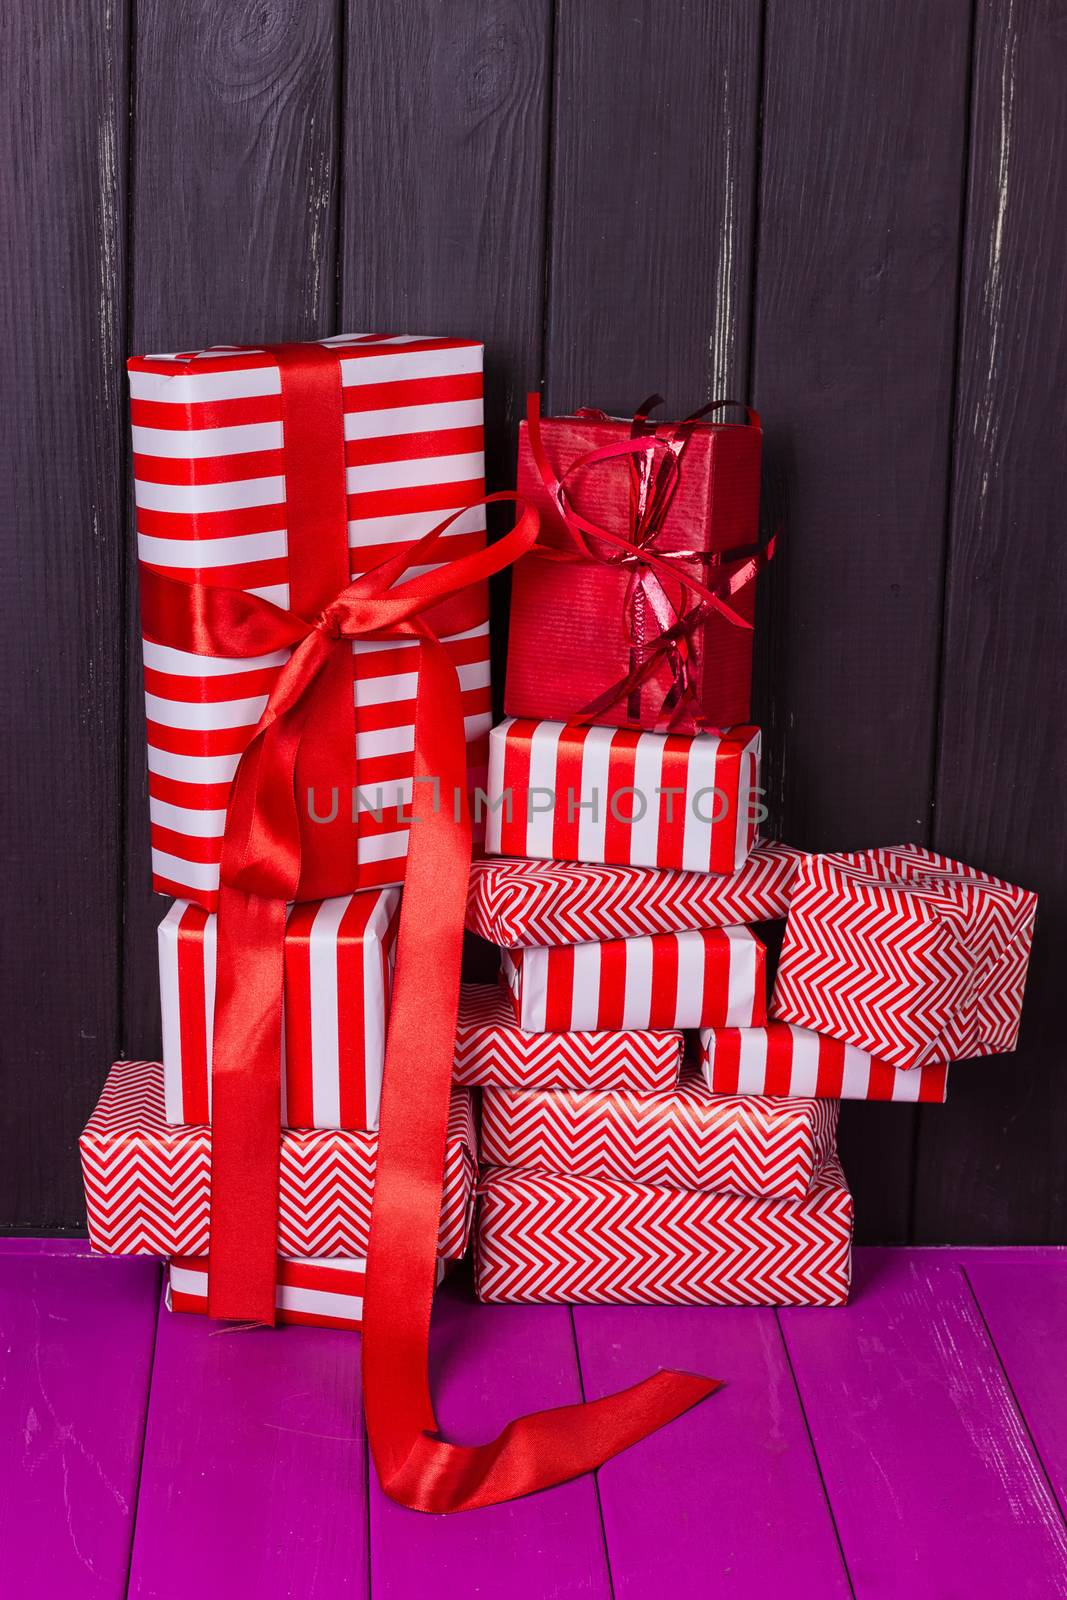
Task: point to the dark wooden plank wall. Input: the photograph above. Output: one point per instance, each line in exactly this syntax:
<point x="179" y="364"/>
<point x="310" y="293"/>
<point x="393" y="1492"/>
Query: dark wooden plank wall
<point x="851" y="216"/>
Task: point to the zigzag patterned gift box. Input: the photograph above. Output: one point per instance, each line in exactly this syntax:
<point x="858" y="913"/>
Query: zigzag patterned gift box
<point x="565" y="791"/>
<point x="491" y="1050"/>
<point x="210" y="489"/>
<point x="542" y="1239"/>
<point x="781" y="1059"/>
<point x="338" y="976"/>
<point x="905" y="953"/>
<point x="148" y="1184"/>
<point x="315" y="1291"/>
<point x="528" y="902"/>
<point x="712" y="977"/>
<point x="686" y="1139"/>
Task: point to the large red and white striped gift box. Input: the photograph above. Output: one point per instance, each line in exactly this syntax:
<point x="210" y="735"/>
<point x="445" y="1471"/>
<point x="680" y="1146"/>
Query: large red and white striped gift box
<point x="492" y="1050"/>
<point x="781" y="1059"/>
<point x="565" y="791"/>
<point x="705" y="977"/>
<point x="148" y="1183"/>
<point x="338" y="976"/>
<point x="210" y="490"/>
<point x="543" y="1239"/>
<point x="905" y="953"/>
<point x="688" y="1138"/>
<point x="528" y="902"/>
<point x="313" y="1291"/>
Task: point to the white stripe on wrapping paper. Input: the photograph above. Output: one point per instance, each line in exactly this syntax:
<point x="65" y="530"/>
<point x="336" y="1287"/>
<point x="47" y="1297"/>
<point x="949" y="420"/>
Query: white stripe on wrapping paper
<point x="696" y="838"/>
<point x="325" y="1060"/>
<point x="184" y="664"/>
<point x="287" y="1297"/>
<point x="382" y="847"/>
<point x="169" y="1005"/>
<point x="376" y="1004"/>
<point x="414" y="474"/>
<point x="405" y="528"/>
<point x="637" y="1002"/>
<point x="804" y="1076"/>
<point x="396" y="741"/>
<point x="200" y="384"/>
<point x="644" y="832"/>
<point x="586" y="978"/>
<point x="742" y="977"/>
<point x="371" y="647"/>
<point x="691" y="959"/>
<point x="397" y="421"/>
<point x="233" y="551"/>
<point x="202" y="715"/>
<point x="191" y="769"/>
<point x="386" y="690"/>
<point x="744" y="801"/>
<point x="596" y="758"/>
<point x="197" y="444"/>
<point x="276" y="593"/>
<point x="202" y="875"/>
<point x="495" y="814"/>
<point x="539" y="824"/>
<point x="194" y="499"/>
<point x="411" y="365"/>
<point x="183" y="819"/>
<point x="752" y="1067"/>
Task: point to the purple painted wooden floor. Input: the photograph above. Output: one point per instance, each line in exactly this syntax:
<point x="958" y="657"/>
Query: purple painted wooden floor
<point x="913" y="1444"/>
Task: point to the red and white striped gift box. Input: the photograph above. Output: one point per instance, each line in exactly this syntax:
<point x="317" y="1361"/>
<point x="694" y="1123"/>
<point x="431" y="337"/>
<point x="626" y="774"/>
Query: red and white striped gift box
<point x="148" y="1183"/>
<point x="781" y="1059"/>
<point x="209" y="484"/>
<point x="543" y="1239"/>
<point x="565" y="791"/>
<point x="338" y="977"/>
<point x="686" y="1139"/>
<point x="555" y="902"/>
<point x="905" y="953"/>
<point x="491" y="1050"/>
<point x="707" y="977"/>
<point x="313" y="1291"/>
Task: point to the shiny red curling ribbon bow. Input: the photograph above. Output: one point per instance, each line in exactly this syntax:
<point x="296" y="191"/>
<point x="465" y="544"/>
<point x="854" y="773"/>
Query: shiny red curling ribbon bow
<point x="654" y="457"/>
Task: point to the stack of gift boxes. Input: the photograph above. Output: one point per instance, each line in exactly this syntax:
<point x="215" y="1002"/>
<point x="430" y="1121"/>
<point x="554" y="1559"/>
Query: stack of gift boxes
<point x="652" y="1129"/>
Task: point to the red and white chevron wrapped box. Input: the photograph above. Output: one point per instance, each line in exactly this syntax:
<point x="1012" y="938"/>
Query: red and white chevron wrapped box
<point x="148" y="1184"/>
<point x="315" y="1291"/>
<point x="543" y="1239"/>
<point x="686" y="1139"/>
<point x="527" y="902"/>
<point x="492" y="1051"/>
<point x="564" y="791"/>
<point x="210" y="490"/>
<point x="338" y="976"/>
<point x="781" y="1059"/>
<point x="707" y="977"/>
<point x="905" y="953"/>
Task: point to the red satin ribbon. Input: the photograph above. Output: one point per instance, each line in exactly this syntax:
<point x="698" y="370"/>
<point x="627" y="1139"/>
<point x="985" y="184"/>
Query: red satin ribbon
<point x="263" y="868"/>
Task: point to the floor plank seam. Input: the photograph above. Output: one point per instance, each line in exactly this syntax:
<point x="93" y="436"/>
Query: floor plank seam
<point x="1020" y="1412"/>
<point x="595" y="1475"/>
<point x="161" y="1311"/>
<point x="814" y="1453"/>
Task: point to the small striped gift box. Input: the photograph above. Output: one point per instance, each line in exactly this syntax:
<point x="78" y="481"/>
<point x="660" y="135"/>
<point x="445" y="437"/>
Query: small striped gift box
<point x="781" y="1059"/>
<point x="338" y="978"/>
<point x="313" y="1291"/>
<point x="564" y="791"/>
<point x="709" y="978"/>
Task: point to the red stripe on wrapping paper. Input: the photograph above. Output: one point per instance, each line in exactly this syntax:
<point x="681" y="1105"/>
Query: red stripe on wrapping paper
<point x="192" y="1015"/>
<point x="198" y="414"/>
<point x="728" y="769"/>
<point x="352" y="1012"/>
<point x="188" y="471"/>
<point x="831" y="1069"/>
<point x="726" y="1070"/>
<point x="612" y="996"/>
<point x="664" y="1008"/>
<point x="210" y="524"/>
<point x="413" y="392"/>
<point x="881" y="1079"/>
<point x="299" y="1078"/>
<point x="364" y="556"/>
<point x="559" y="978"/>
<point x="192" y="690"/>
<point x="517" y="748"/>
<point x="570" y="753"/>
<point x="388" y="663"/>
<point x="187" y="847"/>
<point x="618" y="835"/>
<point x="465" y="441"/>
<point x="269" y="573"/>
<point x="753" y="779"/>
<point x="676" y="751"/>
<point x="200" y="741"/>
<point x="197" y="796"/>
<point x="778" y="1069"/>
<point x="442" y="497"/>
<point x="932" y="1084"/>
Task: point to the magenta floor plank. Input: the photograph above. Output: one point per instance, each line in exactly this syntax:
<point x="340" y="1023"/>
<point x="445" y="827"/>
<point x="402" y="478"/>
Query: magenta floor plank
<point x="727" y="1500"/>
<point x="76" y="1335"/>
<point x="254" y="1473"/>
<point x="493" y="1362"/>
<point x="1024" y="1303"/>
<point x="934" y="1484"/>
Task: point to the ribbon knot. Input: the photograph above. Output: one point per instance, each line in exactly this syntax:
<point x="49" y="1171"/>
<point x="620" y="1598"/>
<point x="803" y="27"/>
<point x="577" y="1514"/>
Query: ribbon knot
<point x="328" y="621"/>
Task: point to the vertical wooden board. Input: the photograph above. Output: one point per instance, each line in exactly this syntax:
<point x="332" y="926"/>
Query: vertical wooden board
<point x="934" y="1483"/>
<point x="727" y="1500"/>
<point x="76" y="1333"/>
<point x="233" y="241"/>
<point x="254" y="1471"/>
<point x="443" y="204"/>
<point x="864" y="123"/>
<point x="997" y="1170"/>
<point x="488" y="1365"/>
<point x="63" y="148"/>
<point x="653" y="190"/>
<point x="1022" y="1295"/>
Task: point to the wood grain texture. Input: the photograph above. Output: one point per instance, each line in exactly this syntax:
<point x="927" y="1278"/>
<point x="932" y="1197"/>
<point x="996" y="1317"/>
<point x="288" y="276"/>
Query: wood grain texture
<point x="77" y="1334"/>
<point x="934" y="1483"/>
<point x="997" y="1170"/>
<point x="488" y="1365"/>
<point x="62" y="147"/>
<point x="864" y="131"/>
<point x="254" y="1477"/>
<point x="727" y="1500"/>
<point x="654" y="153"/>
<point x="233" y="241"/>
